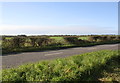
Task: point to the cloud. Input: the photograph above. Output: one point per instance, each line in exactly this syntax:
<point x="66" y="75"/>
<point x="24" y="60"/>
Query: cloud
<point x="46" y="30"/>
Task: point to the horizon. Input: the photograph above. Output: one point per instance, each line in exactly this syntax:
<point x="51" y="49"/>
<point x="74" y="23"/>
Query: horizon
<point x="59" y="18"/>
<point x="55" y="35"/>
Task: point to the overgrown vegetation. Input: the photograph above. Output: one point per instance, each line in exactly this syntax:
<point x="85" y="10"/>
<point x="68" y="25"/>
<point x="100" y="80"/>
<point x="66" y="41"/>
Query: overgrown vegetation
<point x="22" y="43"/>
<point x="84" y="67"/>
<point x="111" y="72"/>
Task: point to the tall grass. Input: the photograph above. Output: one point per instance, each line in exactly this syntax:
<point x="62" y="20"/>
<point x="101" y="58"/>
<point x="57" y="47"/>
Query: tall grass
<point x="79" y="67"/>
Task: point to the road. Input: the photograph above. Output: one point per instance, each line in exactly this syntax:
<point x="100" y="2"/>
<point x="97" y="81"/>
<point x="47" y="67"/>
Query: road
<point x="13" y="60"/>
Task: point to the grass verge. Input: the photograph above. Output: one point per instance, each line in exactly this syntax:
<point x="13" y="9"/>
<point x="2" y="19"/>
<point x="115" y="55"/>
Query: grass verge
<point x="84" y="67"/>
<point x="111" y="72"/>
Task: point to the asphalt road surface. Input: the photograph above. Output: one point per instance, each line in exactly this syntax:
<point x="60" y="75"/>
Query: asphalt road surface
<point x="13" y="60"/>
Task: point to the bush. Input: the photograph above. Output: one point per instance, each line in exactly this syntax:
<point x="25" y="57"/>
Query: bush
<point x="104" y="38"/>
<point x="117" y="38"/>
<point x="33" y="41"/>
<point x="43" y="41"/>
<point x="18" y="42"/>
<point x="72" y="40"/>
<point x="55" y="44"/>
<point x="93" y="38"/>
<point x="83" y="41"/>
<point x="15" y="42"/>
<point x="111" y="37"/>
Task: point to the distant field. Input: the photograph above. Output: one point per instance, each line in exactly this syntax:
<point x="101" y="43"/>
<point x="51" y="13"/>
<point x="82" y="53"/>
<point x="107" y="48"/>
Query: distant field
<point x="9" y="37"/>
<point x="61" y="38"/>
<point x="83" y="38"/>
<point x="57" y="38"/>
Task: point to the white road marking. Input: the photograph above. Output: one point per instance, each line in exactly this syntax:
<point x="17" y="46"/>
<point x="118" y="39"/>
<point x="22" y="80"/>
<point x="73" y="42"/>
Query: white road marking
<point x="76" y="48"/>
<point x="53" y="53"/>
<point x="91" y="48"/>
<point x="113" y="45"/>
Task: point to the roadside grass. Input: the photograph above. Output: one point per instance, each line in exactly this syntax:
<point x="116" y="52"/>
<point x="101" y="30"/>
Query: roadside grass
<point x="84" y="67"/>
<point x="111" y="72"/>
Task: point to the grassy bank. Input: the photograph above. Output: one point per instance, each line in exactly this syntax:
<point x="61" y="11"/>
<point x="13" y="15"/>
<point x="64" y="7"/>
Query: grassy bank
<point x="111" y="72"/>
<point x="84" y="67"/>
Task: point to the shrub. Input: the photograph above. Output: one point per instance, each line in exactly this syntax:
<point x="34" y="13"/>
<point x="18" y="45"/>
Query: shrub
<point x="111" y="38"/>
<point x="33" y="41"/>
<point x="93" y="38"/>
<point x="117" y="38"/>
<point x="104" y="38"/>
<point x="72" y="40"/>
<point x="83" y="41"/>
<point x="55" y="43"/>
<point x="14" y="42"/>
<point x="43" y="41"/>
<point x="18" y="42"/>
<point x="6" y="43"/>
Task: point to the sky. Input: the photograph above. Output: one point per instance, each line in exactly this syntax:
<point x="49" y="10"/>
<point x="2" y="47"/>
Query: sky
<point x="58" y="18"/>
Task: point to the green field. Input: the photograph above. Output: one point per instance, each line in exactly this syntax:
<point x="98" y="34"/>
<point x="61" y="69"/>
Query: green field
<point x="83" y="38"/>
<point x="61" y="38"/>
<point x="57" y="38"/>
<point x="85" y="67"/>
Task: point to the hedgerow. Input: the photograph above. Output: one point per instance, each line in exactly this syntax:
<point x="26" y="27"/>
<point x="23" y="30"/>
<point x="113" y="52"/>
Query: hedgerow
<point x="34" y="43"/>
